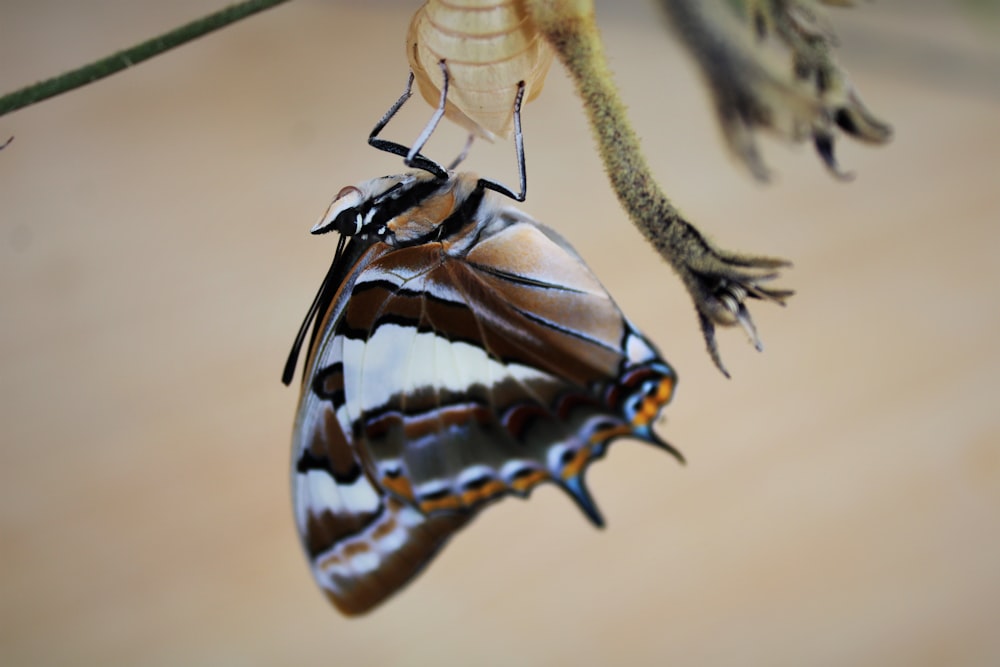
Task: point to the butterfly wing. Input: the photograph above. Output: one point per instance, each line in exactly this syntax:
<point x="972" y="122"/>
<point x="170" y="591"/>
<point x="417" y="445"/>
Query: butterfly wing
<point x="363" y="543"/>
<point x="447" y="375"/>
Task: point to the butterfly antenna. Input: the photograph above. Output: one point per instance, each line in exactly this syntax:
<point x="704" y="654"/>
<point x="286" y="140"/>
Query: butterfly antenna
<point x="293" y="355"/>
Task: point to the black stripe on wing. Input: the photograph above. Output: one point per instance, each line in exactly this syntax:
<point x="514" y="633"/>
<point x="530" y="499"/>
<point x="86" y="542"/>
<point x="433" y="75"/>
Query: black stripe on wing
<point x="522" y="280"/>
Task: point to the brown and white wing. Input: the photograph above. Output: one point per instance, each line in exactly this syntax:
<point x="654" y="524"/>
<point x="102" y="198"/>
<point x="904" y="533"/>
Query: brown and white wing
<point x="445" y="382"/>
<point x="363" y="543"/>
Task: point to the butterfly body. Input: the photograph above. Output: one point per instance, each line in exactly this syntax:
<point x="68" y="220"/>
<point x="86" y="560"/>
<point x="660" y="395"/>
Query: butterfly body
<point x="463" y="352"/>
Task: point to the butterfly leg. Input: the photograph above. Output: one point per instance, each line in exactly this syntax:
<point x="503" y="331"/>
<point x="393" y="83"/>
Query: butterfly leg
<point x="432" y="124"/>
<point x="519" y="150"/>
<point x="464" y="154"/>
<point x="412" y="156"/>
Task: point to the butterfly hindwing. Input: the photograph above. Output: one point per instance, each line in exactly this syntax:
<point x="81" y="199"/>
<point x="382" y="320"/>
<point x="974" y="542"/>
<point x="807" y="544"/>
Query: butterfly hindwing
<point x="451" y="369"/>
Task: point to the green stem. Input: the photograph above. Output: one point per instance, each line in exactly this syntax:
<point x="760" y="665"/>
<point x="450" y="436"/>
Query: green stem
<point x="131" y="56"/>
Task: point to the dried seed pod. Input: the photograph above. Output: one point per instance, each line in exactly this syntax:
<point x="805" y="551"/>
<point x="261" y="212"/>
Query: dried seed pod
<point x="770" y="66"/>
<point x="488" y="49"/>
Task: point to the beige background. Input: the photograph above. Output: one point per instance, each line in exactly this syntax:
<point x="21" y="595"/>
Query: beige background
<point x="841" y="505"/>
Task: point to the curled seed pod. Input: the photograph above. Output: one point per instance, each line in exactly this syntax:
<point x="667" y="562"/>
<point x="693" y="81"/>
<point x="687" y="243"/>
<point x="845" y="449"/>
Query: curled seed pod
<point x="488" y="48"/>
<point x="770" y="66"/>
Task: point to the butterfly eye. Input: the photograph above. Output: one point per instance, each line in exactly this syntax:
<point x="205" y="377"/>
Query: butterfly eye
<point x="346" y="191"/>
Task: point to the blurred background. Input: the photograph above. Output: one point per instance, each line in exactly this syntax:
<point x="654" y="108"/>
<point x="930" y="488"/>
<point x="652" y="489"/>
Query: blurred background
<point x="841" y="502"/>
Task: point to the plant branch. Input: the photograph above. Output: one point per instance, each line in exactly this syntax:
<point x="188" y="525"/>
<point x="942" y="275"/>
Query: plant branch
<point x="131" y="56"/>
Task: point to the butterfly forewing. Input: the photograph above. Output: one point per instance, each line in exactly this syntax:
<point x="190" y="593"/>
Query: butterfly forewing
<point x="449" y="371"/>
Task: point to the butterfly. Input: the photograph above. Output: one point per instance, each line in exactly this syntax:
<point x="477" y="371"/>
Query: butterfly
<point x="462" y="352"/>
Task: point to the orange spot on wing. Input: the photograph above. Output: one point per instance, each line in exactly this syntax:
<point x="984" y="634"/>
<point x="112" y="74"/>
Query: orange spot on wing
<point x="450" y="502"/>
<point x="487" y="491"/>
<point x="384" y="528"/>
<point x="331" y="561"/>
<point x="522" y="484"/>
<point x="651" y="405"/>
<point x="577" y="463"/>
<point x="399" y="486"/>
<point x="355" y="548"/>
<point x="611" y="432"/>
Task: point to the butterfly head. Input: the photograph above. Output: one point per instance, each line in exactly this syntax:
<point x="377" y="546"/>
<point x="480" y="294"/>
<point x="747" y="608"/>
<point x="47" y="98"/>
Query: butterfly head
<point x="386" y="207"/>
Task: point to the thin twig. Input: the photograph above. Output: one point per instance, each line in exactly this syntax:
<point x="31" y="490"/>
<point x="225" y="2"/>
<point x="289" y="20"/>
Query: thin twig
<point x="131" y="56"/>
